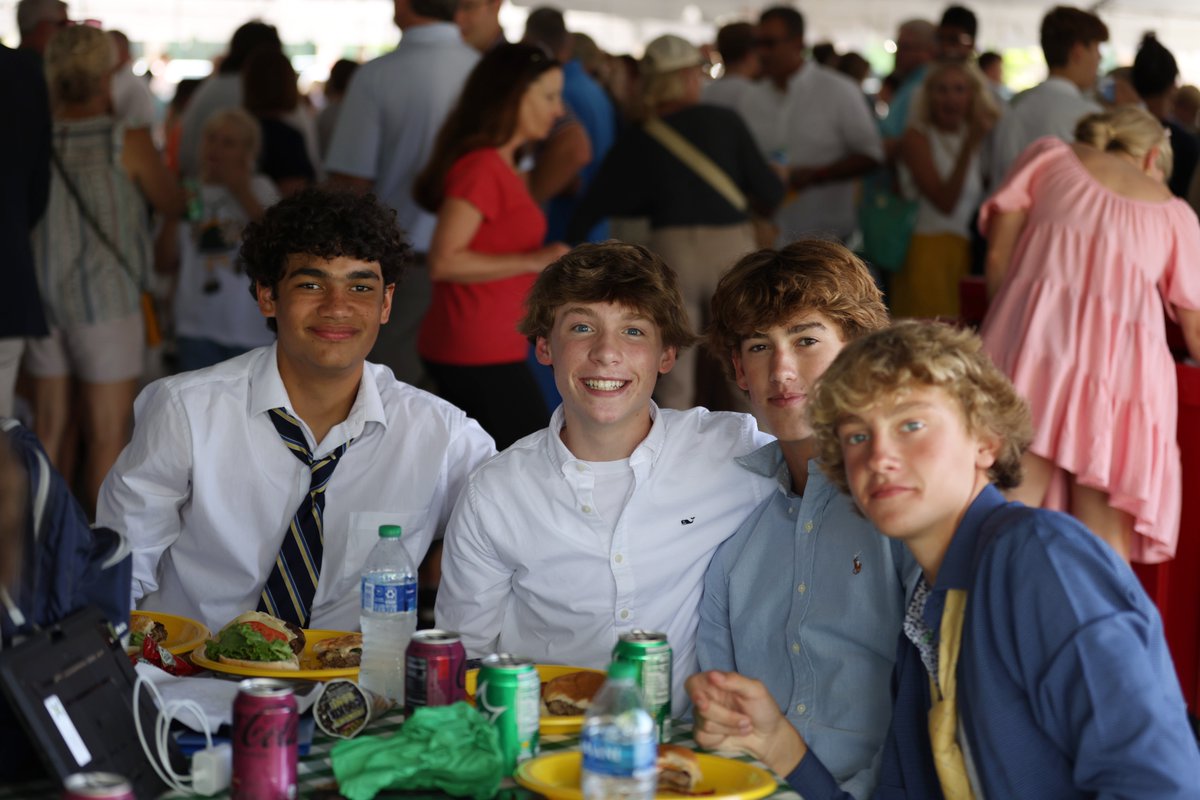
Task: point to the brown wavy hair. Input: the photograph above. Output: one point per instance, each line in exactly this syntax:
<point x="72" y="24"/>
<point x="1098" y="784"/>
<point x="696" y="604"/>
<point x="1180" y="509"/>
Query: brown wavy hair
<point x="609" y="272"/>
<point x="770" y="287"/>
<point x="915" y="353"/>
<point x="485" y="115"/>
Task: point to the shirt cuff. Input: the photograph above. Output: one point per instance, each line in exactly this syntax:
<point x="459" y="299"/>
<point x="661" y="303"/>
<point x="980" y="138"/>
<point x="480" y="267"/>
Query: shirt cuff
<point x="812" y="780"/>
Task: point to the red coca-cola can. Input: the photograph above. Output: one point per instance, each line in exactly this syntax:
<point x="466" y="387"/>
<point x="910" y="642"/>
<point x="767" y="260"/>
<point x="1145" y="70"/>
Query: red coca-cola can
<point x="92" y="785"/>
<point x="265" y="719"/>
<point x="434" y="669"/>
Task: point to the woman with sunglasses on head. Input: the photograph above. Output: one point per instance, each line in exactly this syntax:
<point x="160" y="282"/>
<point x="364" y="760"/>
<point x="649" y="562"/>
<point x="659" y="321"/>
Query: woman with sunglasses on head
<point x="487" y="246"/>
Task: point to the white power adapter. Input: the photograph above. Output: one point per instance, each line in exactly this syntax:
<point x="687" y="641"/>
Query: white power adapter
<point x="212" y="769"/>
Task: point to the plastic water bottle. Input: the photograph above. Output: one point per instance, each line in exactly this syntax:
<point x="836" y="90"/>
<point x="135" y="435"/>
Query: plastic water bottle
<point x="619" y="742"/>
<point x="388" y="616"/>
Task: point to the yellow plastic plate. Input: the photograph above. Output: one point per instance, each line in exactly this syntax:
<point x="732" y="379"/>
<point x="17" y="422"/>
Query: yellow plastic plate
<point x="553" y="725"/>
<point x="309" y="671"/>
<point x="556" y="775"/>
<point x="183" y="634"/>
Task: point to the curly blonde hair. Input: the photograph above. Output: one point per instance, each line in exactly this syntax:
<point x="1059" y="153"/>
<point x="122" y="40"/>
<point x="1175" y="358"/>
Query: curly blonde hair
<point x="914" y="353"/>
<point x="78" y="60"/>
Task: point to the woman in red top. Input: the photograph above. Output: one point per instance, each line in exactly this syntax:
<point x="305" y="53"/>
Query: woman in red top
<point x="486" y="249"/>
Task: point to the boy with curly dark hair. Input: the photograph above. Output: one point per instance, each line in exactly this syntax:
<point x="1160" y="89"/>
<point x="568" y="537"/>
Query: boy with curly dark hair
<point x="233" y="493"/>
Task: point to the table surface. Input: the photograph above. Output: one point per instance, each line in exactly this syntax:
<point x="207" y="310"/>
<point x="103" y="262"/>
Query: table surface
<point x="315" y="770"/>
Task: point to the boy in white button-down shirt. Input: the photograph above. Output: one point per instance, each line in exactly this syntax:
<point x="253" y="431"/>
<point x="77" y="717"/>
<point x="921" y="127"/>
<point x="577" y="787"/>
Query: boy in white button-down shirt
<point x="606" y="520"/>
<point x="207" y="488"/>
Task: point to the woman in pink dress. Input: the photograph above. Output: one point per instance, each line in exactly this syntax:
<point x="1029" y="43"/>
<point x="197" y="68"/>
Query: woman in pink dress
<point x="1086" y="245"/>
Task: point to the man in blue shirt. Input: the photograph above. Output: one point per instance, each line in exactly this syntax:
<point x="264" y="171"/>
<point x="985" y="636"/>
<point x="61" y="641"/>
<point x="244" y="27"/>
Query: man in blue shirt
<point x="1032" y="663"/>
<point x="807" y="596"/>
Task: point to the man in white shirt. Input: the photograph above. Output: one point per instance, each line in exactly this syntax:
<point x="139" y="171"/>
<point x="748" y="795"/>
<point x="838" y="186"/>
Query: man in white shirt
<point x="132" y="101"/>
<point x="391" y="114"/>
<point x="1071" y="43"/>
<point x="814" y="120"/>
<point x="212" y="492"/>
<point x="605" y="521"/>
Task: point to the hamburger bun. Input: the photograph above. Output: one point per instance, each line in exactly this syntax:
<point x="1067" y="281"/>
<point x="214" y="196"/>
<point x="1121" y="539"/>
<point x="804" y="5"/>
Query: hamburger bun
<point x="570" y="695"/>
<point x="678" y="770"/>
<point x="340" y="652"/>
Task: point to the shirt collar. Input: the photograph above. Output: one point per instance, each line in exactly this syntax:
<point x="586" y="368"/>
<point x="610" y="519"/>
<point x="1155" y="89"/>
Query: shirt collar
<point x="647" y="451"/>
<point x="432" y="32"/>
<point x="769" y="462"/>
<point x="958" y="566"/>
<point x="267" y="391"/>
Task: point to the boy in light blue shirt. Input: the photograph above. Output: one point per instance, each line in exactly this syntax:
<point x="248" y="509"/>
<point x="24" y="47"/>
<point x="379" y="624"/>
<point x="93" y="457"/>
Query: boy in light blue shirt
<point x="807" y="596"/>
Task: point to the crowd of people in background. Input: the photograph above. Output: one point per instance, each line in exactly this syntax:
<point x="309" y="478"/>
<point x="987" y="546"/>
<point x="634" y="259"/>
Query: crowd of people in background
<point x="506" y="154"/>
<point x="537" y="232"/>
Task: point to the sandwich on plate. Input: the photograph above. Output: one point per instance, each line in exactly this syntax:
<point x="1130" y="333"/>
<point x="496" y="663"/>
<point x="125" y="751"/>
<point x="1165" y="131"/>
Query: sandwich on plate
<point x="258" y="640"/>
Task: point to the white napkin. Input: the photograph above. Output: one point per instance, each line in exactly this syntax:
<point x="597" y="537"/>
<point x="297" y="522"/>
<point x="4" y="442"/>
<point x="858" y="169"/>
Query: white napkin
<point x="215" y="696"/>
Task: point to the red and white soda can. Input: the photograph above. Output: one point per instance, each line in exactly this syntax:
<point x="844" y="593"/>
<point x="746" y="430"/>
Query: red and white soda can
<point x="265" y="719"/>
<point x="93" y="785"/>
<point x="435" y="670"/>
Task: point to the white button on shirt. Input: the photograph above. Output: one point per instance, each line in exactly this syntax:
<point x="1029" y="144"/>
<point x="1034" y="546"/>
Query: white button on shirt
<point x="525" y="572"/>
<point x="206" y="489"/>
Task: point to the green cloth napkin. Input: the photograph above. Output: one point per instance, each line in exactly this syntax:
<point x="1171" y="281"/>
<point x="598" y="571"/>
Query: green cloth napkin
<point x="452" y="748"/>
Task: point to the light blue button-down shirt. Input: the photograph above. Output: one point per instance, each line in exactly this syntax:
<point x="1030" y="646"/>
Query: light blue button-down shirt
<point x="392" y="113"/>
<point x="819" y="627"/>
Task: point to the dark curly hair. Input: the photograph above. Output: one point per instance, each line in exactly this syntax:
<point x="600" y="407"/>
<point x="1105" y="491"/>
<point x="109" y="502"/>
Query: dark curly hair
<point x="326" y="224"/>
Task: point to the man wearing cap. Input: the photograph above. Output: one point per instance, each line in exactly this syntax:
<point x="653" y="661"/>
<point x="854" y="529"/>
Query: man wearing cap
<point x="814" y="120"/>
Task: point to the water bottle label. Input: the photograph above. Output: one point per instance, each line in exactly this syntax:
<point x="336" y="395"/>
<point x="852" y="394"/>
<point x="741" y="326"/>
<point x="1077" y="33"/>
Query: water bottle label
<point x="602" y="756"/>
<point x="389" y="598"/>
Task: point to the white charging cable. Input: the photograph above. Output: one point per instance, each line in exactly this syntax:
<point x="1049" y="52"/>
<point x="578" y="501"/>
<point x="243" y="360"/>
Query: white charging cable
<point x="159" y="758"/>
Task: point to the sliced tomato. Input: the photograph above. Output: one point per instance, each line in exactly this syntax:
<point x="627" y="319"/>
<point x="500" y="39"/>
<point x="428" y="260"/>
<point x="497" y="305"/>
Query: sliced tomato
<point x="268" y="633"/>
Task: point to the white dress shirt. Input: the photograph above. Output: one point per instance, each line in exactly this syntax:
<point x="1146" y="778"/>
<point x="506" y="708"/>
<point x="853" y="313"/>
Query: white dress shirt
<point x="391" y="114"/>
<point x="531" y="568"/>
<point x="1051" y="108"/>
<point x="821" y="119"/>
<point x="206" y="489"/>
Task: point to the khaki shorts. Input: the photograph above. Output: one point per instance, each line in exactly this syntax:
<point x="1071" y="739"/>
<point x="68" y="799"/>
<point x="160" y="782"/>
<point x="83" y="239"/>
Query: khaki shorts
<point x="103" y="352"/>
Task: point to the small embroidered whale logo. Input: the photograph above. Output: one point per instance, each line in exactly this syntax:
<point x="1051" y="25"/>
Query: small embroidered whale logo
<point x="687" y="521"/>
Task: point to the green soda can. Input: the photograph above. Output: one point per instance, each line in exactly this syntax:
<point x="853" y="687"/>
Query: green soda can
<point x="509" y="694"/>
<point x="651" y="654"/>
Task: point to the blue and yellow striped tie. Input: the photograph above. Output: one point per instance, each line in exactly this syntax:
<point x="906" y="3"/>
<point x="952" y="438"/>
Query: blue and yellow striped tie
<point x="289" y="591"/>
